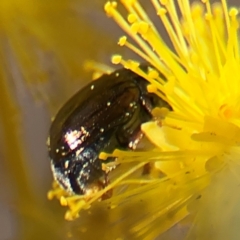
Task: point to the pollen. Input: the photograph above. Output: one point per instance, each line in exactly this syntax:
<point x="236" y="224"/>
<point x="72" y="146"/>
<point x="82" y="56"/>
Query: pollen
<point x="122" y="41"/>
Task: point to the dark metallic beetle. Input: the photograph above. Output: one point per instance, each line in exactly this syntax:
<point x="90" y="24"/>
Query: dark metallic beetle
<point x="104" y="115"/>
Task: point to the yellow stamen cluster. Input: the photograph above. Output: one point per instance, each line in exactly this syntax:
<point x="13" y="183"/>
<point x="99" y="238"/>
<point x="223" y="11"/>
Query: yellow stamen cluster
<point x="199" y="78"/>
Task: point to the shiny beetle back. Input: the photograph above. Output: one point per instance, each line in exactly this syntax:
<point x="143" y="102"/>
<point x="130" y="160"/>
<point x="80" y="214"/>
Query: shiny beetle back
<point x="104" y="115"/>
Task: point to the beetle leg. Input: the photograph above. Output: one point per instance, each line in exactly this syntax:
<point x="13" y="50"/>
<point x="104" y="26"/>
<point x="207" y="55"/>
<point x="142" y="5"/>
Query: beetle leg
<point x="146" y="102"/>
<point x="103" y="184"/>
<point x="129" y="135"/>
<point x="129" y="138"/>
<point x="146" y="169"/>
<point x="135" y="139"/>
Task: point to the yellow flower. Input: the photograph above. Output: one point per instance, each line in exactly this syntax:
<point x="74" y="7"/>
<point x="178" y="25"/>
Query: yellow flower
<point x="192" y="170"/>
<point x="200" y="137"/>
<point x="199" y="140"/>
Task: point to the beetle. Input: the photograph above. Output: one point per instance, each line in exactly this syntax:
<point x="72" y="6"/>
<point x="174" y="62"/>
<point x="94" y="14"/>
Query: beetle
<point x="106" y="114"/>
